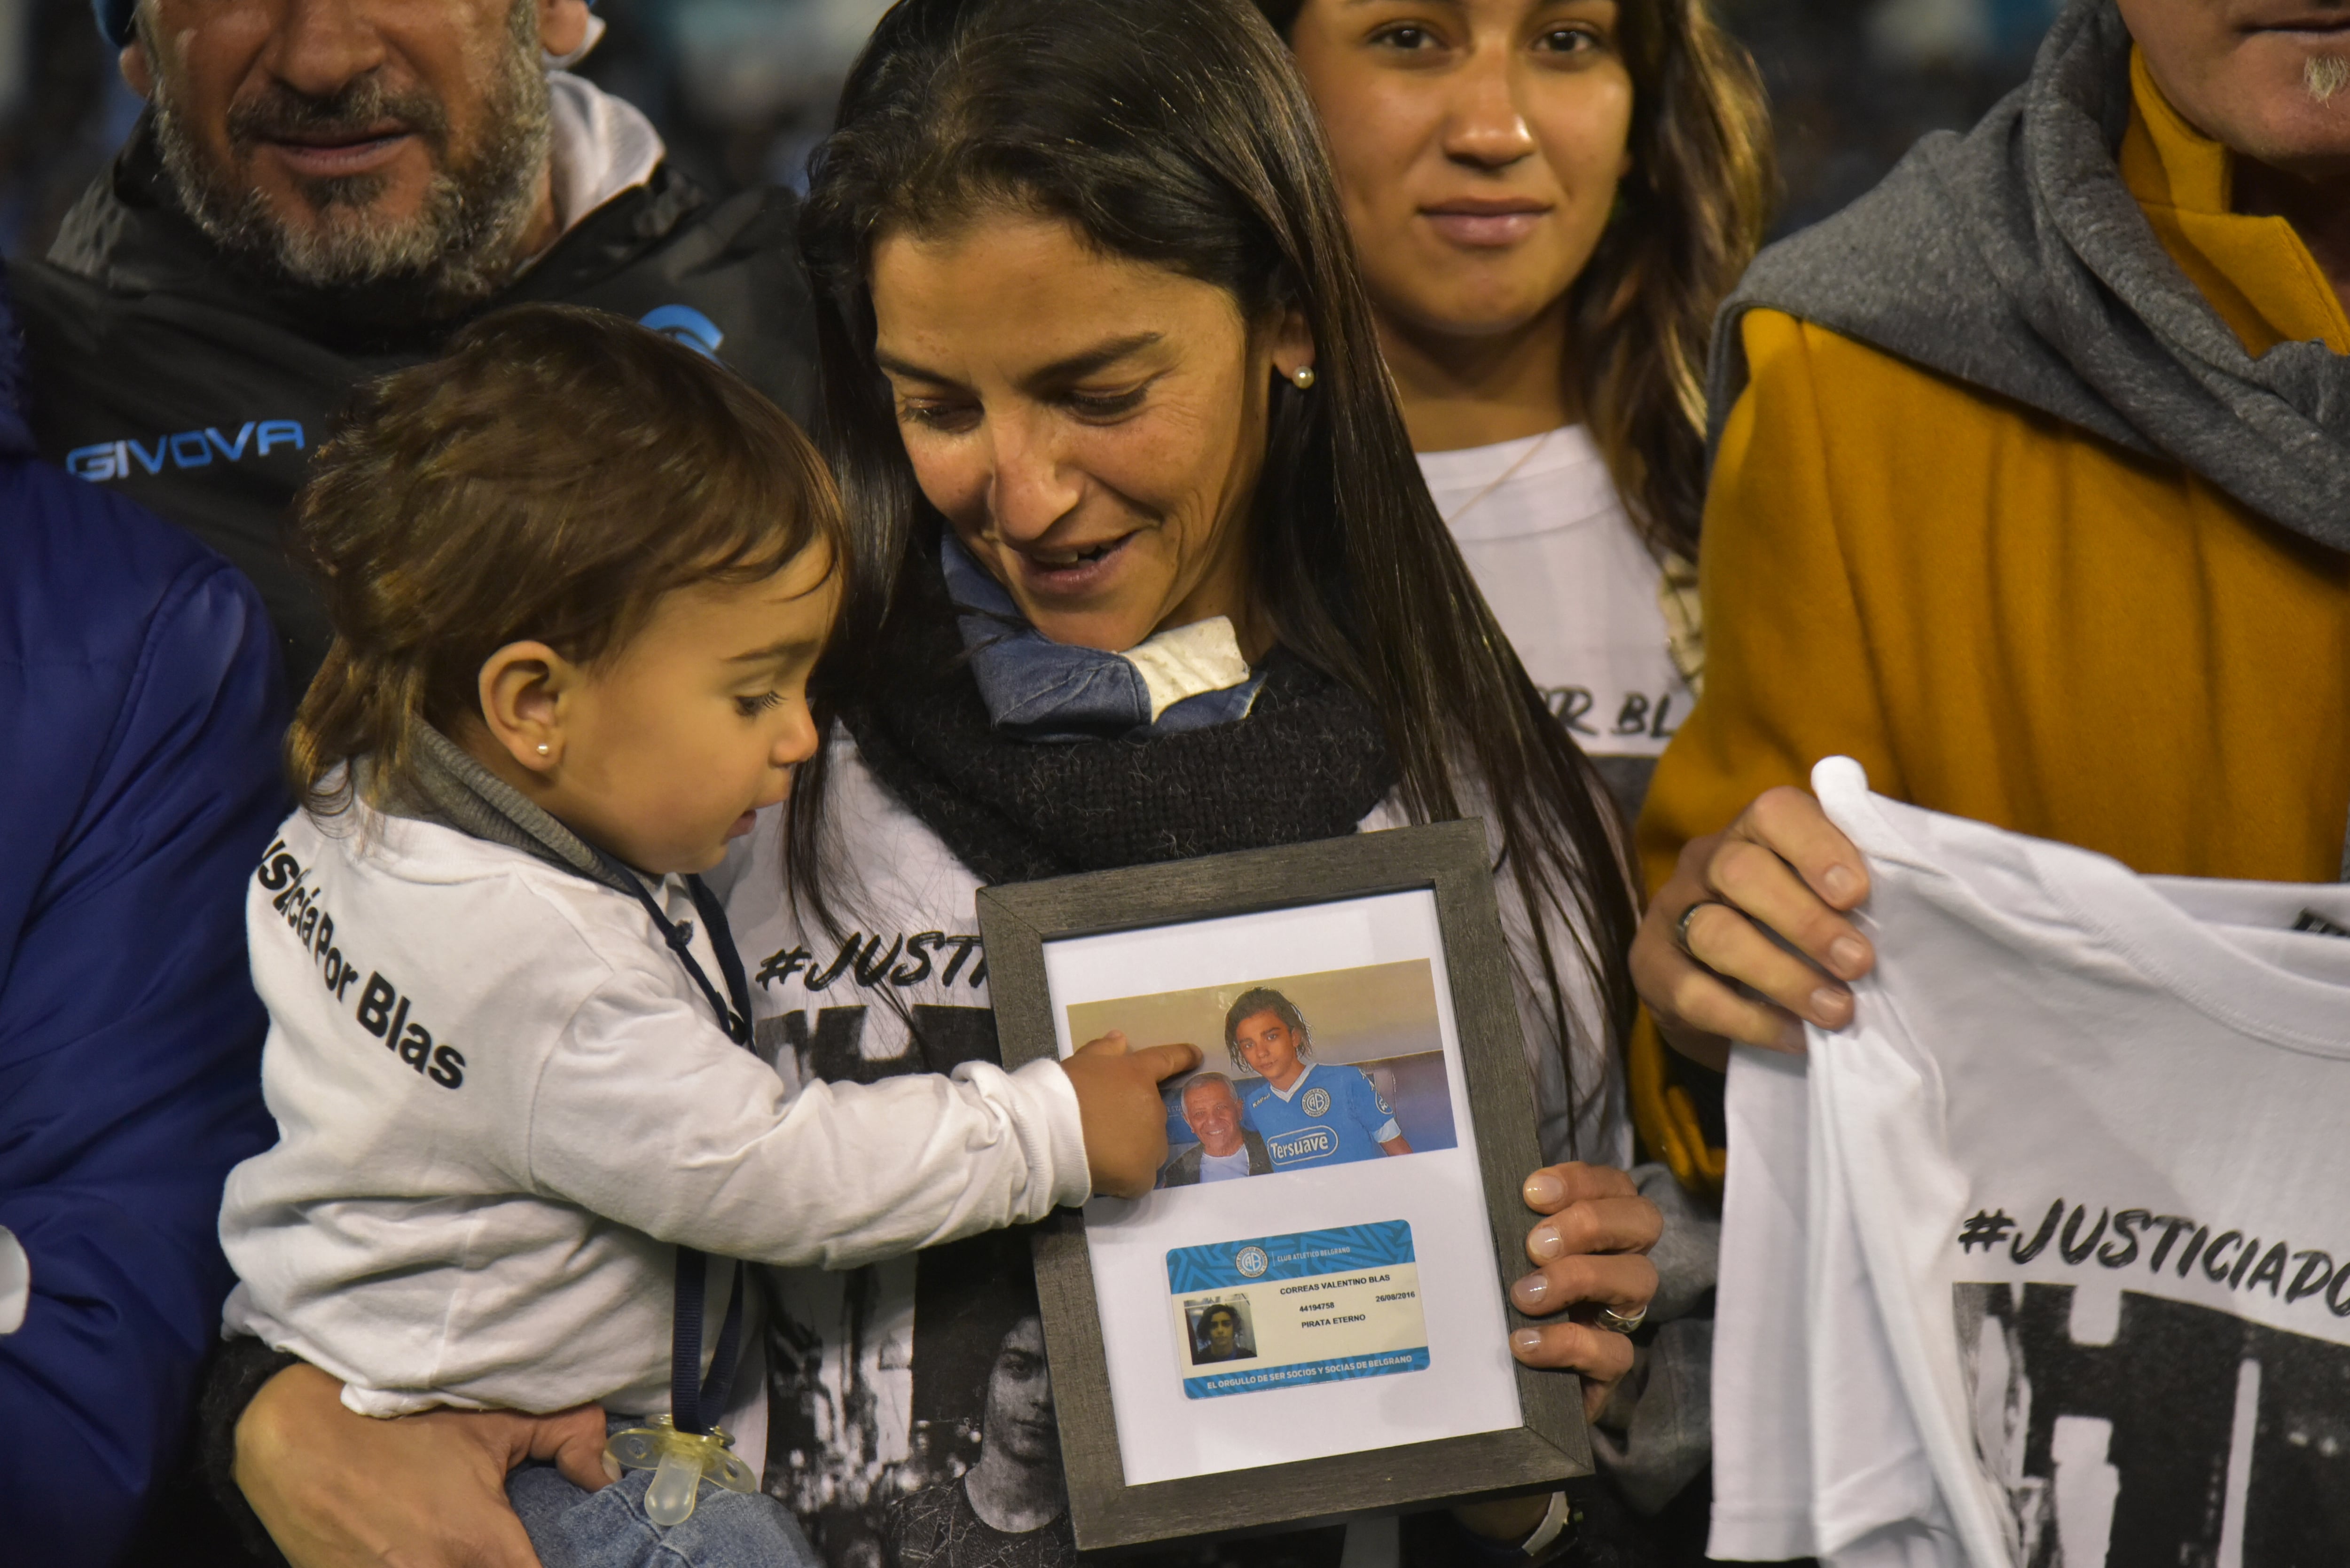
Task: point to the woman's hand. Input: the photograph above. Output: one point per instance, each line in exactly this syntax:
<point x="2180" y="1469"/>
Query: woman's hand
<point x="1781" y="871"/>
<point x="1589" y="1252"/>
<point x="336" y="1490"/>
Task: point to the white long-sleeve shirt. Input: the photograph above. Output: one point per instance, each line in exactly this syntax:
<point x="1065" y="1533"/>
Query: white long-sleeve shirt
<point x="503" y="1104"/>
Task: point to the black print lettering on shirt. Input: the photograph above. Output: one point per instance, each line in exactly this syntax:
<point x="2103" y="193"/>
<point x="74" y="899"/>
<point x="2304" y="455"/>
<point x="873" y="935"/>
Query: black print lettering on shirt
<point x="906" y="960"/>
<point x="1639" y="716"/>
<point x="2230" y="1258"/>
<point x="381" y="1010"/>
<point x="281" y="873"/>
<point x="1568" y="704"/>
<point x="384" y="1012"/>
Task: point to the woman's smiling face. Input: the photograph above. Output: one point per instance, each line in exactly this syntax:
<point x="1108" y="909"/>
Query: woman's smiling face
<point x="1091" y="427"/>
<point x="1478" y="144"/>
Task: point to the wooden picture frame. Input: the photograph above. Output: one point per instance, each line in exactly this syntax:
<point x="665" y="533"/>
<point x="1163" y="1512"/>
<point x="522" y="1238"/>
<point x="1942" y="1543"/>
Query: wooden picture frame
<point x="1450" y="860"/>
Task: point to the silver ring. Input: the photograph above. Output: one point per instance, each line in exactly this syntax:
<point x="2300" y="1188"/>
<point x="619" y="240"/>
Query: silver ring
<point x="1615" y="1321"/>
<point x="1681" y="926"/>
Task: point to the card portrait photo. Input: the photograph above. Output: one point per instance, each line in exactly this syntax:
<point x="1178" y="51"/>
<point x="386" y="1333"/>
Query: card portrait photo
<point x="1217" y="1330"/>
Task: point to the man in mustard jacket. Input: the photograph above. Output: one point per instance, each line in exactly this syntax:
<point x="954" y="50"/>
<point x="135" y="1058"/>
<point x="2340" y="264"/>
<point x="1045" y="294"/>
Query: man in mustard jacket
<point x="2033" y="494"/>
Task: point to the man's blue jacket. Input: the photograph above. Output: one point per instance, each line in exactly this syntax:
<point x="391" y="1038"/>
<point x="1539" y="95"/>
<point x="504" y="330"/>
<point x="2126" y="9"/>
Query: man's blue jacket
<point x="141" y="709"/>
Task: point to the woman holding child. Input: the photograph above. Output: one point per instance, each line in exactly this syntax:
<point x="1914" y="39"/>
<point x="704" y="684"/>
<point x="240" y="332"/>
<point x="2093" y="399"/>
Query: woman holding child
<point x="1143" y="571"/>
<point x="1147" y="573"/>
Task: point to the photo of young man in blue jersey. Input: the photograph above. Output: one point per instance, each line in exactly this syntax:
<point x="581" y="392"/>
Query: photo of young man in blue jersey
<point x="1327" y="1067"/>
<point x="1308" y="1113"/>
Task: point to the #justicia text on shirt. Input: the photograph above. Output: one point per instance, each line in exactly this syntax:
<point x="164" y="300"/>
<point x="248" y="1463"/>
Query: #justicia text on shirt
<point x="2119" y="1239"/>
<point x="382" y="1009"/>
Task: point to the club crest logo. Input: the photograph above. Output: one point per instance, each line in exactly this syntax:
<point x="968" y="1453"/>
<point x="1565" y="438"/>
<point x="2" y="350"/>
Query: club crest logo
<point x="1316" y="1103"/>
<point x="1251" y="1262"/>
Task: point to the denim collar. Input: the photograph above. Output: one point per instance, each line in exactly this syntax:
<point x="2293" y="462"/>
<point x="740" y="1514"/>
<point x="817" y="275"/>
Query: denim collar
<point x="1186" y="677"/>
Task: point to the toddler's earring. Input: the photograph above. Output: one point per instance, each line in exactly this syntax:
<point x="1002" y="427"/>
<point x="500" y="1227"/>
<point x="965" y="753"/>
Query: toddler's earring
<point x="1304" y="378"/>
<point x="542" y="748"/>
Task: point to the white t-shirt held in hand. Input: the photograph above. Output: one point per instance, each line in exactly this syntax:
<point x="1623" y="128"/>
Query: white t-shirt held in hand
<point x="2044" y="1259"/>
<point x="1554" y="553"/>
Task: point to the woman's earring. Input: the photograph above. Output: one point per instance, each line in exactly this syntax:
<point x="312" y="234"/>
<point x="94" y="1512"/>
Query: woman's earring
<point x="542" y="748"/>
<point x="1304" y="378"/>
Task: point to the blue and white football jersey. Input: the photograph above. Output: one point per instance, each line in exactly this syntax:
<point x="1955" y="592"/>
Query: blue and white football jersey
<point x="1331" y="1114"/>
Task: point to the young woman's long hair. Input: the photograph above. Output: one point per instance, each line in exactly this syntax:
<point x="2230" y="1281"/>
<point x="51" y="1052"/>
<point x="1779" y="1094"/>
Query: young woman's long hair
<point x="1177" y="133"/>
<point x="1692" y="214"/>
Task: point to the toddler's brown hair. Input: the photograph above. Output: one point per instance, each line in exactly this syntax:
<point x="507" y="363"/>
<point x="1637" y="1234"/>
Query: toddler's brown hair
<point x="553" y="474"/>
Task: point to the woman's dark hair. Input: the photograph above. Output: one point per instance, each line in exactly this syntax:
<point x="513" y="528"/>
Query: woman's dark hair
<point x="1265" y="999"/>
<point x="1693" y="211"/>
<point x="1177" y="133"/>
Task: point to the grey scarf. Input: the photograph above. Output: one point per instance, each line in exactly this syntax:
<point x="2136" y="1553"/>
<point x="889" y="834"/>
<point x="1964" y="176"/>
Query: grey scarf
<point x="2015" y="260"/>
<point x="454" y="790"/>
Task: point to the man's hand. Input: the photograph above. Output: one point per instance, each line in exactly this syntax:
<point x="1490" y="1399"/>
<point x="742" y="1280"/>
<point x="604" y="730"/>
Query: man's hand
<point x="1781" y="870"/>
<point x="339" y="1490"/>
<point x="1125" y="1119"/>
<point x="1590" y="1250"/>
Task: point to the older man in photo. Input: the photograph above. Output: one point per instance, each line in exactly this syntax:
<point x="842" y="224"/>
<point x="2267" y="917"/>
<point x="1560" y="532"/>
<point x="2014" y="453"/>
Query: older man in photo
<point x="324" y="190"/>
<point x="1211" y="1107"/>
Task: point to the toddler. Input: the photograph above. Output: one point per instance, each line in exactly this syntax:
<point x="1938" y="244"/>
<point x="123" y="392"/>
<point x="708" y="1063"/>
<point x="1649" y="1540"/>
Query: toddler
<point x="579" y="575"/>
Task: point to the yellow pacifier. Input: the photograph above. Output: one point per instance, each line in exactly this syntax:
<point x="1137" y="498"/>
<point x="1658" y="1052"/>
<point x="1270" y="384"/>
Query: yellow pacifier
<point x="680" y="1462"/>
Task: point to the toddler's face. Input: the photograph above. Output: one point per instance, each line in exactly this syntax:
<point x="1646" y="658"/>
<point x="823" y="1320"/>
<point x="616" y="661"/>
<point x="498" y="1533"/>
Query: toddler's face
<point x="667" y="748"/>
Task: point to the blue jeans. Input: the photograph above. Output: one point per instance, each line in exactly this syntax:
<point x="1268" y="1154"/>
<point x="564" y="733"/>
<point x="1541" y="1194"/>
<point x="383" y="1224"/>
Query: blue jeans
<point x="574" y="1529"/>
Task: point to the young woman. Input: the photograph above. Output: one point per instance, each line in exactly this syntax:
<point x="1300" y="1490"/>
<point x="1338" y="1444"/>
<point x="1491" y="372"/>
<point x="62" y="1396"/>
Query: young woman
<point x="1155" y="577"/>
<point x="1550" y="198"/>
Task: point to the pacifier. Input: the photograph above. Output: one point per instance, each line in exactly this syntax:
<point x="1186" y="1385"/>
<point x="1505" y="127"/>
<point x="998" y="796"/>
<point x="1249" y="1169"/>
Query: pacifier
<point x="680" y="1462"/>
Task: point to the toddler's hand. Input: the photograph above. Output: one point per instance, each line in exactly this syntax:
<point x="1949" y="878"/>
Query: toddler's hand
<point x="1125" y="1119"/>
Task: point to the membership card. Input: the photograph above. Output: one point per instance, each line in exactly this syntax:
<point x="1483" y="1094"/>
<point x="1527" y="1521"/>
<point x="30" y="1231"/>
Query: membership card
<point x="1311" y="1307"/>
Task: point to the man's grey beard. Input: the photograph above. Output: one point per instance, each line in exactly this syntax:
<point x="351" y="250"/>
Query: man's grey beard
<point x="459" y="246"/>
<point x="2325" y="75"/>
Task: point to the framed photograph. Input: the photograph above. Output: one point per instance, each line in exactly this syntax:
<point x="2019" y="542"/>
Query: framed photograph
<point x="1306" y="1320"/>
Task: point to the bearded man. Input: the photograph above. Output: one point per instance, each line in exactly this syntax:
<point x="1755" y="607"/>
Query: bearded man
<point x="325" y="190"/>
